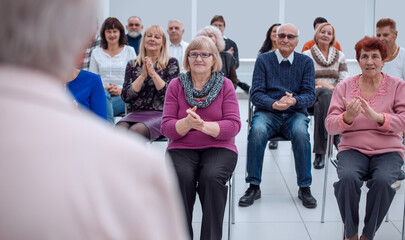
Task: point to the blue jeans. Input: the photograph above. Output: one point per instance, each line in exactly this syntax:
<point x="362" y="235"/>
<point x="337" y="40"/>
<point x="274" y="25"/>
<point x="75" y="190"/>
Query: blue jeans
<point x="293" y="126"/>
<point x="115" y="106"/>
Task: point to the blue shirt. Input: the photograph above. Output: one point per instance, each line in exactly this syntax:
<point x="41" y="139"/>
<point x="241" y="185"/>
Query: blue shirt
<point x="88" y="91"/>
<point x="272" y="79"/>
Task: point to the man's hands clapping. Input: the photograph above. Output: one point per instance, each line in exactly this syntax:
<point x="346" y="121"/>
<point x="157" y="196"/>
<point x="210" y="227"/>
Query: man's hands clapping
<point x="285" y="102"/>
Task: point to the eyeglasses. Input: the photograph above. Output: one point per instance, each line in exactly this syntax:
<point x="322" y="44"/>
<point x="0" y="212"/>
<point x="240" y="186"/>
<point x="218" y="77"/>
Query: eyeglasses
<point x="134" y="24"/>
<point x="202" y="55"/>
<point x="289" y="36"/>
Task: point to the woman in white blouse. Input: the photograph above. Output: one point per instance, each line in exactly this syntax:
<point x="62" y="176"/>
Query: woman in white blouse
<point x="109" y="61"/>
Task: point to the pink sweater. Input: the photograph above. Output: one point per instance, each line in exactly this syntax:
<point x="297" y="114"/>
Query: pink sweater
<point x="365" y="135"/>
<point x="224" y="110"/>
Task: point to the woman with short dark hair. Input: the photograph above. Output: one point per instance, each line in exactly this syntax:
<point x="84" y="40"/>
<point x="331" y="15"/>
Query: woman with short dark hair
<point x="109" y="61"/>
<point x="368" y="110"/>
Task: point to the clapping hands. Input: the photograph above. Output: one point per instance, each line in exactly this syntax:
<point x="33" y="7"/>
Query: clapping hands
<point x="285" y="102"/>
<point x="193" y="119"/>
<point x="359" y="106"/>
<point x="147" y="67"/>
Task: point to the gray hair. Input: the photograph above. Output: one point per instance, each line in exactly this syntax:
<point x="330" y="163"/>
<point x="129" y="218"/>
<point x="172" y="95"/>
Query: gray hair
<point x="47" y="35"/>
<point x="290" y="24"/>
<point x="213" y="30"/>
<point x="134" y="17"/>
<point x="175" y="20"/>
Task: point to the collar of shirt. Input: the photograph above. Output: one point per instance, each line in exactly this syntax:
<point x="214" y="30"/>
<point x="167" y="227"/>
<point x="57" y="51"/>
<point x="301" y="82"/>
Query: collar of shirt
<point x="178" y="45"/>
<point x="280" y="57"/>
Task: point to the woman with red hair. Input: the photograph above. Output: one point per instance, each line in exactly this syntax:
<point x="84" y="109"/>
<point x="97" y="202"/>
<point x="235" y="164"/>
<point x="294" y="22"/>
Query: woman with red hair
<point x="368" y="110"/>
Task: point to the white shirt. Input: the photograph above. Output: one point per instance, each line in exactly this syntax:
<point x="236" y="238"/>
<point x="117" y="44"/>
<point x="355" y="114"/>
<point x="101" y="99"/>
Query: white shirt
<point x="111" y="69"/>
<point x="178" y="52"/>
<point x="66" y="174"/>
<point x="396" y="67"/>
<point x="280" y="57"/>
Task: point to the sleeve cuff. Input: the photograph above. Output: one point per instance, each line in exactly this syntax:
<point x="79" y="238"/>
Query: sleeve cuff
<point x="387" y="122"/>
<point x="342" y="123"/>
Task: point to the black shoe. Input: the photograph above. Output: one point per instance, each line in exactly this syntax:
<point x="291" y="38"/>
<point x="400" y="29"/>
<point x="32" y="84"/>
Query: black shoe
<point x="305" y="195"/>
<point x="249" y="197"/>
<point x="319" y="161"/>
<point x="245" y="87"/>
<point x="273" y="145"/>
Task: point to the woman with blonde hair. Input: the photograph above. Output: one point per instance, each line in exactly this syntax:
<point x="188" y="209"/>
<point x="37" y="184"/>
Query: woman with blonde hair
<point x="146" y="80"/>
<point x="201" y="119"/>
<point x="330" y="69"/>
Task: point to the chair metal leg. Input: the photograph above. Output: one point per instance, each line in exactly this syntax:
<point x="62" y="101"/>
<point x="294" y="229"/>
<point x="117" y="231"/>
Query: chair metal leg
<point x="387" y="216"/>
<point x="231" y="207"/>
<point x="403" y="223"/>
<point x="233" y="199"/>
<point x="329" y="155"/>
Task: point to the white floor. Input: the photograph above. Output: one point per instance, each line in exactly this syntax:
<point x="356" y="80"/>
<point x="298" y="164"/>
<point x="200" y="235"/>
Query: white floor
<point x="279" y="214"/>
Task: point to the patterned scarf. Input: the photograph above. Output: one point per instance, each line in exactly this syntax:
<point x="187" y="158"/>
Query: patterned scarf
<point x="333" y="56"/>
<point x="209" y="91"/>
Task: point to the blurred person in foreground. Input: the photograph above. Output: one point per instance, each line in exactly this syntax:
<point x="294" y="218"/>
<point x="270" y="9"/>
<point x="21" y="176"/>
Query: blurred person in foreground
<point x="330" y="69"/>
<point x="201" y="119"/>
<point x="64" y="174"/>
<point x="368" y="110"/>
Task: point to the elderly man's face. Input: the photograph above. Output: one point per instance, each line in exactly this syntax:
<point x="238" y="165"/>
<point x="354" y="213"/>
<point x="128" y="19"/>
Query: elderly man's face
<point x="387" y="35"/>
<point x="287" y="39"/>
<point x="175" y="31"/>
<point x="134" y="26"/>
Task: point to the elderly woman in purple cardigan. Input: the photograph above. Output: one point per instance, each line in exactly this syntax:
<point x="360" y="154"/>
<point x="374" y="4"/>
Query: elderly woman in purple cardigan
<point x="201" y="119"/>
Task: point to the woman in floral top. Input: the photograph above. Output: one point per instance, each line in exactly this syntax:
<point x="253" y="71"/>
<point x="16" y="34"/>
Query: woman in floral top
<point x="146" y="80"/>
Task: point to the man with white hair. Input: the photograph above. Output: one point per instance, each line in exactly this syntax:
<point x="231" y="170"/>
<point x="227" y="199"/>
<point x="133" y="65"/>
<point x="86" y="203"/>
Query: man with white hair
<point x="64" y="174"/>
<point x="283" y="87"/>
<point x="134" y="35"/>
<point x="177" y="47"/>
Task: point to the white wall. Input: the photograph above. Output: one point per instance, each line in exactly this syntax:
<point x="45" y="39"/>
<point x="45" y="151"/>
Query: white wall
<point x="247" y="21"/>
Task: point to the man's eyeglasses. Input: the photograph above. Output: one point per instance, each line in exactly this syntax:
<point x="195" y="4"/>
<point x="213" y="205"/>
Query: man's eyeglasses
<point x="289" y="36"/>
<point x="202" y="55"/>
<point x="134" y="24"/>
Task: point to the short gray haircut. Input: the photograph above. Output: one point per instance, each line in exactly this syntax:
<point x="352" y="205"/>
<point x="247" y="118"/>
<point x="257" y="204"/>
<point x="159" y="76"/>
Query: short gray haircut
<point x="175" y="20"/>
<point x="290" y="24"/>
<point x="213" y="30"/>
<point x="46" y="35"/>
<point x="134" y="17"/>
